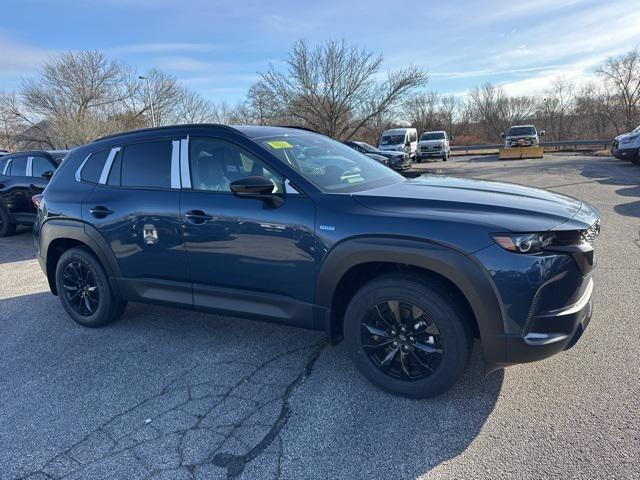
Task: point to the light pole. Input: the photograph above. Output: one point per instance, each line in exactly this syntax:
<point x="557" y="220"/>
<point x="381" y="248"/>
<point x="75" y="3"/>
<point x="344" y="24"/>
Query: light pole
<point x="153" y="113"/>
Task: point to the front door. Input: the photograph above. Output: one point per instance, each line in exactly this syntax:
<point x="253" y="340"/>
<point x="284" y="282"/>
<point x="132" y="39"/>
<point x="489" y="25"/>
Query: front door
<point x="246" y="256"/>
<point x="135" y="207"/>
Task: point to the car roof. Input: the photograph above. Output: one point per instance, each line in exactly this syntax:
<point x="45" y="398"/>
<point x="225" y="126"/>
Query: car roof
<point x="520" y="126"/>
<point x="398" y="130"/>
<point x="434" y="131"/>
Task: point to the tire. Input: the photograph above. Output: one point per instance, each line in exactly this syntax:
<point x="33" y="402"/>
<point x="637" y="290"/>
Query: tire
<point x="402" y="376"/>
<point x="78" y="269"/>
<point x="6" y="227"/>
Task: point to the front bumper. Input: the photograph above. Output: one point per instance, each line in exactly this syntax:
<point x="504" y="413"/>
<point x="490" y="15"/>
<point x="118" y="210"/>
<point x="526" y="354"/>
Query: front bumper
<point x="431" y="153"/>
<point x="624" y="153"/>
<point x="546" y="303"/>
<point x="550" y="332"/>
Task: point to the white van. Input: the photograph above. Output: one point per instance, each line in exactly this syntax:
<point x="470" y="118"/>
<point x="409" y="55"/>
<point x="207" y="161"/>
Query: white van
<point x="400" y="140"/>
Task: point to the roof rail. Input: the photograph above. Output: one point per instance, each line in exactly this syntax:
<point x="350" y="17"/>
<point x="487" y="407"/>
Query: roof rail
<point x="166" y="127"/>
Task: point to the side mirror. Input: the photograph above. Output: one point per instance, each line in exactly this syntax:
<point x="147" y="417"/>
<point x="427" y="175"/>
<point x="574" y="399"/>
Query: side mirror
<point x="256" y="187"/>
<point x="48" y="174"/>
<point x="541" y="133"/>
<point x="452" y="138"/>
<point x="503" y="134"/>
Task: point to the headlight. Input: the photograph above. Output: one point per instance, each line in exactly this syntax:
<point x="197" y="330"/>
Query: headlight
<point x="524" y="242"/>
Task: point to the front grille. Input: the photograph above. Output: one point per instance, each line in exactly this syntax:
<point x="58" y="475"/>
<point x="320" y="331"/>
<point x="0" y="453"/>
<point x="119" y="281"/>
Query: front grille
<point x="590" y="234"/>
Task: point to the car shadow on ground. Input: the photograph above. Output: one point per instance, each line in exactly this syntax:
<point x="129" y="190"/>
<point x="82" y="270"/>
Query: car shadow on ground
<point x="17" y="247"/>
<point x="190" y="395"/>
<point x="620" y="173"/>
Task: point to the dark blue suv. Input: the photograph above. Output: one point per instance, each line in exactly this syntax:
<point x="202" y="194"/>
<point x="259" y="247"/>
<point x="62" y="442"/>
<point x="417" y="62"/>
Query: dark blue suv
<point x="285" y="225"/>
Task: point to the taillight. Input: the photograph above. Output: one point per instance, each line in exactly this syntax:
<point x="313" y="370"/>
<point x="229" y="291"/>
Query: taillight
<point x="36" y="199"/>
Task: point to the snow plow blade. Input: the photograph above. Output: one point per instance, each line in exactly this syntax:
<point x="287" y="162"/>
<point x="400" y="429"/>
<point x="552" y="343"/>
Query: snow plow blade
<point x="515" y="153"/>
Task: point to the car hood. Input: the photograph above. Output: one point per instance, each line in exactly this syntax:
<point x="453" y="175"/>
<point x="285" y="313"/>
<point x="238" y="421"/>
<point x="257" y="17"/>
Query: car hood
<point x="500" y="206"/>
<point x="516" y="137"/>
<point x="431" y="142"/>
<point x="625" y="135"/>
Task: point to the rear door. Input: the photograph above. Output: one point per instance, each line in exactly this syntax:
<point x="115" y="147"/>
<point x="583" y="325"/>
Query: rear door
<point x="135" y="207"/>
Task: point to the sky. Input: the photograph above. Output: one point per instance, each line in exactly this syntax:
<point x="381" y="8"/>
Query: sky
<point x="219" y="47"/>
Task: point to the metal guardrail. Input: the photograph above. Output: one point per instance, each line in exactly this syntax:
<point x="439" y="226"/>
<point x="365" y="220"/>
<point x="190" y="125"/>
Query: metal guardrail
<point x="564" y="144"/>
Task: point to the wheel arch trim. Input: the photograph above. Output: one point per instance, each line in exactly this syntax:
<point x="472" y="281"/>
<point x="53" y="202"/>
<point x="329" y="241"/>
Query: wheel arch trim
<point x="64" y="228"/>
<point x="463" y="271"/>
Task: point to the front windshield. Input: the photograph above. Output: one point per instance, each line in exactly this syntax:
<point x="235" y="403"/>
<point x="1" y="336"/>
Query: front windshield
<point x="368" y="148"/>
<point x="329" y="165"/>
<point x="517" y="131"/>
<point x="432" y="136"/>
<point x="392" y="140"/>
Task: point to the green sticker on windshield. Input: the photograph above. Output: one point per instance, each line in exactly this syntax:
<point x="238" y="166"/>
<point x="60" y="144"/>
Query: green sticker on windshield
<point x="279" y="144"/>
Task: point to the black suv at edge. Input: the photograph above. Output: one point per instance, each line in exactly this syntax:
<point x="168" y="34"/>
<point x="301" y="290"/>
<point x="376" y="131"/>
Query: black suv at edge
<point x="289" y="226"/>
<point x="23" y="175"/>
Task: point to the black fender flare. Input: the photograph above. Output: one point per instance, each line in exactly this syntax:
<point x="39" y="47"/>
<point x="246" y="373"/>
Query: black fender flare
<point x="65" y="228"/>
<point x="463" y="271"/>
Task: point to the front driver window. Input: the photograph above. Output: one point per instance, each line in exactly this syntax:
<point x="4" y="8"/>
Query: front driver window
<point x="214" y="164"/>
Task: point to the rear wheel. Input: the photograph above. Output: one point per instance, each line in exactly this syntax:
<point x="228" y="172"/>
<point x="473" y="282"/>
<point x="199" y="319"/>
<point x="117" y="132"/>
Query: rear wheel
<point x="407" y="336"/>
<point x="6" y="227"/>
<point x="84" y="289"/>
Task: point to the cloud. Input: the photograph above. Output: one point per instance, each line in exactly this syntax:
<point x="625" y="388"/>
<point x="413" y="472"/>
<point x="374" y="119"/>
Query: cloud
<point x="18" y="59"/>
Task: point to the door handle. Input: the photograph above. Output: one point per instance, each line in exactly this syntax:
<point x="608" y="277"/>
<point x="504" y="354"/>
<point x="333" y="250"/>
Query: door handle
<point x="197" y="217"/>
<point x="100" y="212"/>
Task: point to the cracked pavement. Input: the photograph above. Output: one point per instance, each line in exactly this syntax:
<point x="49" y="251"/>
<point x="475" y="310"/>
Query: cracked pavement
<point x="171" y="394"/>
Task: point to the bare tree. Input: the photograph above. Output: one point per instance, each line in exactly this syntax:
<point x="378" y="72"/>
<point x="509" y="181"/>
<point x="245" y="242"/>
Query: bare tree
<point x="558" y="108"/>
<point x="621" y="75"/>
<point x="333" y="88"/>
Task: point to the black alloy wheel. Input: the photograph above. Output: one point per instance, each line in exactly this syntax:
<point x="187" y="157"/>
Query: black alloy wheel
<point x="408" y="334"/>
<point x="80" y="289"/>
<point x="402" y="340"/>
<point x="84" y="289"/>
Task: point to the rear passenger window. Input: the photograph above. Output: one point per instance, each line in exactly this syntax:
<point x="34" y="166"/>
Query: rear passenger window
<point x="18" y="167"/>
<point x="93" y="166"/>
<point x="147" y="164"/>
<point x="40" y="165"/>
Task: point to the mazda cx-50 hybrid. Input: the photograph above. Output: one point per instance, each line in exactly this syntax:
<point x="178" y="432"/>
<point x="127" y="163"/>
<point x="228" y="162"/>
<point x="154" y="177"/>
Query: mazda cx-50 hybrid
<point x="289" y="226"/>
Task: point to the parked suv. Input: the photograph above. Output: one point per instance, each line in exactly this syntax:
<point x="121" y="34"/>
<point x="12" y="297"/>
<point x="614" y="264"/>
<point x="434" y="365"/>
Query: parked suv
<point x="522" y="136"/>
<point x="22" y="175"/>
<point x="434" y="144"/>
<point x="289" y="226"/>
<point x="627" y="146"/>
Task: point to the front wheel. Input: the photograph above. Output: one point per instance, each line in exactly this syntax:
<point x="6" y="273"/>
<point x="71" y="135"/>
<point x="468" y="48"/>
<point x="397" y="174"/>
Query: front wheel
<point x="84" y="289"/>
<point x="407" y="336"/>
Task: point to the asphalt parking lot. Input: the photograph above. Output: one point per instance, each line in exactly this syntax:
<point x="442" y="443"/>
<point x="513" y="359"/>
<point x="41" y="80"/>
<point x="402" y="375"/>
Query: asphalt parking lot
<point x="174" y="394"/>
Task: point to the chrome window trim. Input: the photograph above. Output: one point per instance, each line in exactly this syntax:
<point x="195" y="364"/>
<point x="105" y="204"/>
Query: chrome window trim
<point x="175" y="163"/>
<point x="6" y="166"/>
<point x="104" y="176"/>
<point x="29" y="169"/>
<point x="185" y="175"/>
<point x="78" y="175"/>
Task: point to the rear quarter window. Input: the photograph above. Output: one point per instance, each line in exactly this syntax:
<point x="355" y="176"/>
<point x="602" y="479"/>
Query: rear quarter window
<point x="92" y="168"/>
